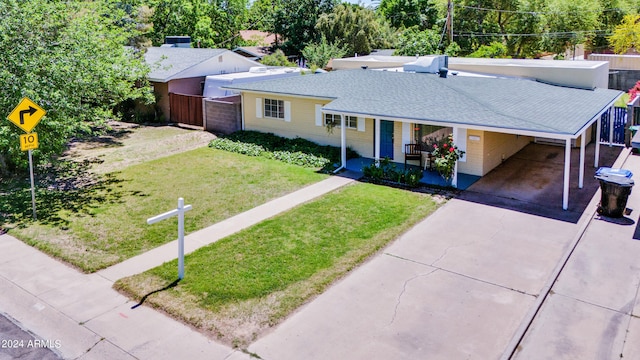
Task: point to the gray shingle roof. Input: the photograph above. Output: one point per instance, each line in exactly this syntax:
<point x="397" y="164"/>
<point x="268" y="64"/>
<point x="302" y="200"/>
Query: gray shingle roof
<point x="501" y="103"/>
<point x="167" y="62"/>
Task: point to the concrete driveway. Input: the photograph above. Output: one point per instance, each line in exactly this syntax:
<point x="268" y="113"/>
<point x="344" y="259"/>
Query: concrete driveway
<point x="456" y="286"/>
<point x="462" y="284"/>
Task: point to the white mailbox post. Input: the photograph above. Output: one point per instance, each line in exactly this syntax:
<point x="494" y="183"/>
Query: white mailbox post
<point x="180" y="212"/>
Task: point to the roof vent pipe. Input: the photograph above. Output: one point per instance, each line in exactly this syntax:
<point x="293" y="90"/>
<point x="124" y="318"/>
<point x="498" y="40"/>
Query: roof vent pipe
<point x="443" y="72"/>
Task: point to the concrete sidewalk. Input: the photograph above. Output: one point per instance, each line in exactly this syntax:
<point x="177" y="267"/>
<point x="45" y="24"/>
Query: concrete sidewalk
<point x="90" y="320"/>
<point x="592" y="310"/>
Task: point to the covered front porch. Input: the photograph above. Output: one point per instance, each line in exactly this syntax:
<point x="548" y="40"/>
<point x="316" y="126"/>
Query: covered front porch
<point x="429" y="177"/>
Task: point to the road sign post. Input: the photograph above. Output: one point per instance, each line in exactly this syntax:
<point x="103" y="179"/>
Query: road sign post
<point x="26" y="115"/>
<point x="180" y="213"/>
<point x="33" y="187"/>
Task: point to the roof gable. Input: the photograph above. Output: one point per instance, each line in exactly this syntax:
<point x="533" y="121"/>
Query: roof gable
<point x="168" y="63"/>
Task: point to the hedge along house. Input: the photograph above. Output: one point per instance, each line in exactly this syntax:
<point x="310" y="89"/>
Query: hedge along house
<point x="381" y="111"/>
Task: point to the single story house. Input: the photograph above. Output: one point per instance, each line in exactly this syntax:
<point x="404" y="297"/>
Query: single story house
<point x="177" y="70"/>
<point x="381" y="111"/>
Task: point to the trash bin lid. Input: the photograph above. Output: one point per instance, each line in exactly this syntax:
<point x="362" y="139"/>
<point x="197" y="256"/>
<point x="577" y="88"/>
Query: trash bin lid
<point x="616" y="179"/>
<point x="610" y="171"/>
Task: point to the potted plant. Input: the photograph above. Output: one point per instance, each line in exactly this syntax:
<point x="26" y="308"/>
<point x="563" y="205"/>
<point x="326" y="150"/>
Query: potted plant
<point x="445" y="156"/>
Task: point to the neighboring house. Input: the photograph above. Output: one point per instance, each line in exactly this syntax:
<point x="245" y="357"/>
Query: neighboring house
<point x="264" y="42"/>
<point x="182" y="71"/>
<point x="381" y="111"/>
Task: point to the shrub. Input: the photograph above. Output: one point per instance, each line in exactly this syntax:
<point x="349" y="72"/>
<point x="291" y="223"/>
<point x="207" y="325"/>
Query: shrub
<point x="237" y="147"/>
<point x="296" y="151"/>
<point x="387" y="171"/>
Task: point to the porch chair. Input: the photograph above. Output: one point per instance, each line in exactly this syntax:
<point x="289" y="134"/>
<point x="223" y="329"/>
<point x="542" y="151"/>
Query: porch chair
<point x="412" y="152"/>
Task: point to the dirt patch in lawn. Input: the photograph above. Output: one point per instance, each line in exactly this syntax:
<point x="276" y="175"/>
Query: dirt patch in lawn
<point x="129" y="144"/>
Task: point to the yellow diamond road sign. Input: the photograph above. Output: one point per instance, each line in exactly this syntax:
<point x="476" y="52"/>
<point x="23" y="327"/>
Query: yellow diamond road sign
<point x="26" y="115"/>
<point x="28" y="141"/>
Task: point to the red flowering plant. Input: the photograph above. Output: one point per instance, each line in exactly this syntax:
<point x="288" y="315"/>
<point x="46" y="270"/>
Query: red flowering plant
<point x="633" y="92"/>
<point x="445" y="157"/>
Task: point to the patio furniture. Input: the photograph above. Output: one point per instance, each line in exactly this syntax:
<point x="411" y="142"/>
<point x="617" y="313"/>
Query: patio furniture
<point x="412" y="152"/>
<point x="427" y="160"/>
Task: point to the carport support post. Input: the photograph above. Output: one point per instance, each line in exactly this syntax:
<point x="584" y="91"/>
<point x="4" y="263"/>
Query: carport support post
<point x="582" y="152"/>
<point x="376" y="155"/>
<point x="343" y="141"/>
<point x="567" y="168"/>
<point x="454" y="180"/>
<point x="596" y="161"/>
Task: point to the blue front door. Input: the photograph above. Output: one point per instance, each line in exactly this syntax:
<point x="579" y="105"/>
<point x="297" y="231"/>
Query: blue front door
<point x="386" y="139"/>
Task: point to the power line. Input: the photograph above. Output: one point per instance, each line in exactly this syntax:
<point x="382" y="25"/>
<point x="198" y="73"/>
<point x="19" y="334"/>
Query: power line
<point x="551" y="34"/>
<point x="536" y="13"/>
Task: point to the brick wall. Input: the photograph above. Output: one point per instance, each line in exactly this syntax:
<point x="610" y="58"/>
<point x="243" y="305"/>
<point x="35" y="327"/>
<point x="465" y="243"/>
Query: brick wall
<point x="223" y="115"/>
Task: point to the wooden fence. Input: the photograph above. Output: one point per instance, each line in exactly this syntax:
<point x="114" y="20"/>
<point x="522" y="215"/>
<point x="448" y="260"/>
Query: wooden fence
<point x="186" y="109"/>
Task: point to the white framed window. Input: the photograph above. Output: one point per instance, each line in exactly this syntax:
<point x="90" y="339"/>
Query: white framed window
<point x="274" y="108"/>
<point x="351" y="122"/>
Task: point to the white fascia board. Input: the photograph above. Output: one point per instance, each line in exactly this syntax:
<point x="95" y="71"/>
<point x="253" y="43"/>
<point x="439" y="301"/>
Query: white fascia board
<point x="273" y="93"/>
<point x="595" y="118"/>
<point x="462" y="125"/>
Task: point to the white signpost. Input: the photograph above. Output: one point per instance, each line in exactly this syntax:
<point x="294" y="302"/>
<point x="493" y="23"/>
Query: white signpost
<point x="180" y="212"/>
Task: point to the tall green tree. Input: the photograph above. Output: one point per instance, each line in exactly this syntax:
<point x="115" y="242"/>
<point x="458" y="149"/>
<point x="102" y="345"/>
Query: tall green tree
<point x="610" y="17"/>
<point x="70" y="58"/>
<point x="527" y="26"/>
<point x="209" y="23"/>
<point x="569" y="23"/>
<point x="295" y="21"/>
<point x="409" y="13"/>
<point x="414" y="41"/>
<point x="262" y="15"/>
<point x="319" y="54"/>
<point x="355" y="27"/>
<point x="475" y="24"/>
<point x="626" y="35"/>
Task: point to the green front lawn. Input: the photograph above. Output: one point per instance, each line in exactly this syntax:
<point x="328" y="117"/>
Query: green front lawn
<point x="98" y="225"/>
<point x="241" y="285"/>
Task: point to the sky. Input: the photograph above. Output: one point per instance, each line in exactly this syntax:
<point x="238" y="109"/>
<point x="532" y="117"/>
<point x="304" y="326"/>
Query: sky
<point x="363" y="2"/>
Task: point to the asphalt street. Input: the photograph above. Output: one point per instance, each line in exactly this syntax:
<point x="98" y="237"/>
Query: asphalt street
<point x="16" y="343"/>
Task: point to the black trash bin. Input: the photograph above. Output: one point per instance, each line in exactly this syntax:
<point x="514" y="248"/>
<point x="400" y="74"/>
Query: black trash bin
<point x="615" y="193"/>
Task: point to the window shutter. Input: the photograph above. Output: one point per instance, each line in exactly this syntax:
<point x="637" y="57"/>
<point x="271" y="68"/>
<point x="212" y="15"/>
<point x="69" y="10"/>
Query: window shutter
<point x="360" y="124"/>
<point x="287" y="111"/>
<point x="259" y="108"/>
<point x="319" y="121"/>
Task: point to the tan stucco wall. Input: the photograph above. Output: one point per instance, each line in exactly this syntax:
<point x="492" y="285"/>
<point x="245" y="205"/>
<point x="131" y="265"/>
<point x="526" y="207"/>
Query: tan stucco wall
<point x="484" y="150"/>
<point x="303" y="124"/>
<point x="618" y="62"/>
<point x="498" y="147"/>
<point x="582" y="74"/>
<point x="474" y="158"/>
